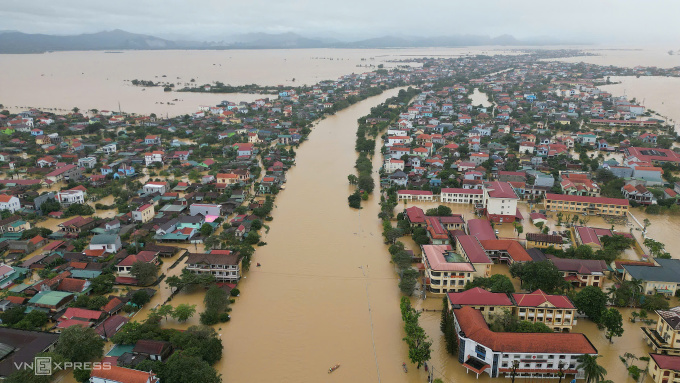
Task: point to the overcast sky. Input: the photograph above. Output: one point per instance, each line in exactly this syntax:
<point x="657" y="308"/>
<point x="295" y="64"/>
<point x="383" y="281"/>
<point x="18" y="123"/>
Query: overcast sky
<point x="596" y="21"/>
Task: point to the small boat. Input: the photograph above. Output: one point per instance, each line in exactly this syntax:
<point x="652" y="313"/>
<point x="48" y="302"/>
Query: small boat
<point x="404" y="365"/>
<point x="333" y="368"/>
<point x="258" y="264"/>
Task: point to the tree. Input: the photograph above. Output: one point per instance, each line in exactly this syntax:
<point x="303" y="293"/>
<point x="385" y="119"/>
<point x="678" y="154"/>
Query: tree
<point x="518" y="228"/>
<point x="201" y="341"/>
<point x="592" y="370"/>
<point x="497" y="283"/>
<point x="80" y="344"/>
<point x="591" y="301"/>
<point x="182" y="367"/>
<point x="102" y="284"/>
<point x="183" y="312"/>
<point x="75" y="109"/>
<point x="165" y="311"/>
<point x="654" y="302"/>
<point x="656" y="248"/>
<point x="140" y="298"/>
<point x="416" y="338"/>
<point x="542" y="275"/>
<point x="206" y="229"/>
<point x="32" y="321"/>
<point x="252" y="238"/>
<point x="216" y="298"/>
<point x="353" y="180"/>
<point x="354" y="200"/>
<point x="439" y="211"/>
<point x="146" y="273"/>
<point x="409" y="278"/>
<point x="612" y="321"/>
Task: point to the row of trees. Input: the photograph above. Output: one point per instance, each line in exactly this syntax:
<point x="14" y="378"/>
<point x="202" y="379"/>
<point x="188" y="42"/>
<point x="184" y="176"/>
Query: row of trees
<point x="419" y="345"/>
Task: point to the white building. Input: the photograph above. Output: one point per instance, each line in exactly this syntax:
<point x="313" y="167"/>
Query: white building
<point x="392" y="165"/>
<point x="9" y="202"/>
<point x="69" y="197"/>
<point x="459" y="195"/>
<point x="500" y="202"/>
<point x="155" y="187"/>
<point x="531" y="355"/>
<point x="151" y="157"/>
<point x="87" y="162"/>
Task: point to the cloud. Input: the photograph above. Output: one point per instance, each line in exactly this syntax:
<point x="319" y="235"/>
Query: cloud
<point x="592" y="20"/>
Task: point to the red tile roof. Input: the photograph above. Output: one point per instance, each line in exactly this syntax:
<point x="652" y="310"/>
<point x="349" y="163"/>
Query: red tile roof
<point x="666" y="362"/>
<point x="479" y="297"/>
<point x="514" y="249"/>
<point x="415" y="214"/>
<point x="78" y="313"/>
<point x="578" y="198"/>
<point x="498" y="189"/>
<point x="538" y="298"/>
<point x="474" y="327"/>
<point x="122" y="375"/>
<point x="472" y="248"/>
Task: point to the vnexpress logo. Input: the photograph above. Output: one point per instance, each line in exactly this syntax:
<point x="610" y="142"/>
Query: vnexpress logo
<point x="42" y="365"/>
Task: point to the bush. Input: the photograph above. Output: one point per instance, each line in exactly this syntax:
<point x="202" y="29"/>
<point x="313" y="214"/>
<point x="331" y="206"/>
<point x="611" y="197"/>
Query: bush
<point x="224" y="317"/>
<point x="235" y="292"/>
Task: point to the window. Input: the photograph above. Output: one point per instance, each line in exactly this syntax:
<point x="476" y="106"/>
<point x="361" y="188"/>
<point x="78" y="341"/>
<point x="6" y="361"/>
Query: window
<point x="481" y="352"/>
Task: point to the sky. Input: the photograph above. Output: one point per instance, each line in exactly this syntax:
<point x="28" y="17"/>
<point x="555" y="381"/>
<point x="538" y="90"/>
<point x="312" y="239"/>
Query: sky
<point x="582" y="21"/>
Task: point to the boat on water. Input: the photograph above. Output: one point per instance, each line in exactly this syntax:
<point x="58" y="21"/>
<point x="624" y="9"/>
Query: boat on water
<point x="333" y="368"/>
<point x="404" y="365"/>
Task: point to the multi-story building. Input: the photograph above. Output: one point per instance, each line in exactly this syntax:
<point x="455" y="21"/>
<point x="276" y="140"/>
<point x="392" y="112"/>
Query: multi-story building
<point x="472" y="251"/>
<point x="143" y="213"/>
<point x="500" y="202"/>
<point x="155" y="156"/>
<point x="415" y="195"/>
<point x="225" y="265"/>
<point x="445" y="270"/>
<point x="156" y="187"/>
<point x="488" y="303"/>
<point x="664" y="368"/>
<point x="660" y="277"/>
<point x="555" y="311"/>
<point x="10" y="203"/>
<point x="69" y="197"/>
<point x="459" y="195"/>
<point x="586" y="205"/>
<point x="529" y="355"/>
<point x="665" y="336"/>
<point x="581" y="272"/>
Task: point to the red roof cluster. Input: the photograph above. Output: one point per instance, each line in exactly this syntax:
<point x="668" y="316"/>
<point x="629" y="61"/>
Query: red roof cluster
<point x="474" y="327"/>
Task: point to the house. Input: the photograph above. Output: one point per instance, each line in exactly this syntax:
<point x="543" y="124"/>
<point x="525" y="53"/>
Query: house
<point x="460" y="195"/>
<point x="638" y="193"/>
<point x="392" y="165"/>
<point x="114" y="374"/>
<point x="581" y="272"/>
<point x="555" y="311"/>
<point x="155" y="349"/>
<point x="205" y="209"/>
<point x="225" y="265"/>
<point x="22" y="346"/>
<point x="9" y="203"/>
<point x="535" y="354"/>
<point x="543" y="241"/>
<point x="500" y="202"/>
<point x="505" y="250"/>
<point x="660" y="277"/>
<point x="87" y="162"/>
<point x="152" y="140"/>
<point x="65" y="173"/>
<point x="143" y="213"/>
<point x="489" y="304"/>
<point x="125" y="266"/>
<point x="415" y="195"/>
<point x="579" y="184"/>
<point x="227" y="179"/>
<point x="110" y="243"/>
<point x="155" y="187"/>
<point x="242" y="149"/>
<point x="664" y="337"/>
<point x="69" y="197"/>
<point x="664" y="368"/>
<point x="586" y="205"/>
<point x="52" y="300"/>
<point x="445" y="270"/>
<point x="157" y="156"/>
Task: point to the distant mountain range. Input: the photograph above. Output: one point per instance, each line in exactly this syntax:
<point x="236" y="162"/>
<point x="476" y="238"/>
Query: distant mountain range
<point x="18" y="42"/>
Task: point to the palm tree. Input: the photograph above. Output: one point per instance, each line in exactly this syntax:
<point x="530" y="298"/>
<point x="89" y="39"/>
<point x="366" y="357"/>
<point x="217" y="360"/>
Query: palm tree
<point x="593" y="371"/>
<point x="636" y="291"/>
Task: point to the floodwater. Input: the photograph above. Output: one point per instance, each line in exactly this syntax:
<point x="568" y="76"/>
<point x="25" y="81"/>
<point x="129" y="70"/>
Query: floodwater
<point x="657" y="93"/>
<point x="479" y="98"/>
<point x="629" y="57"/>
<point x="99" y="80"/>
